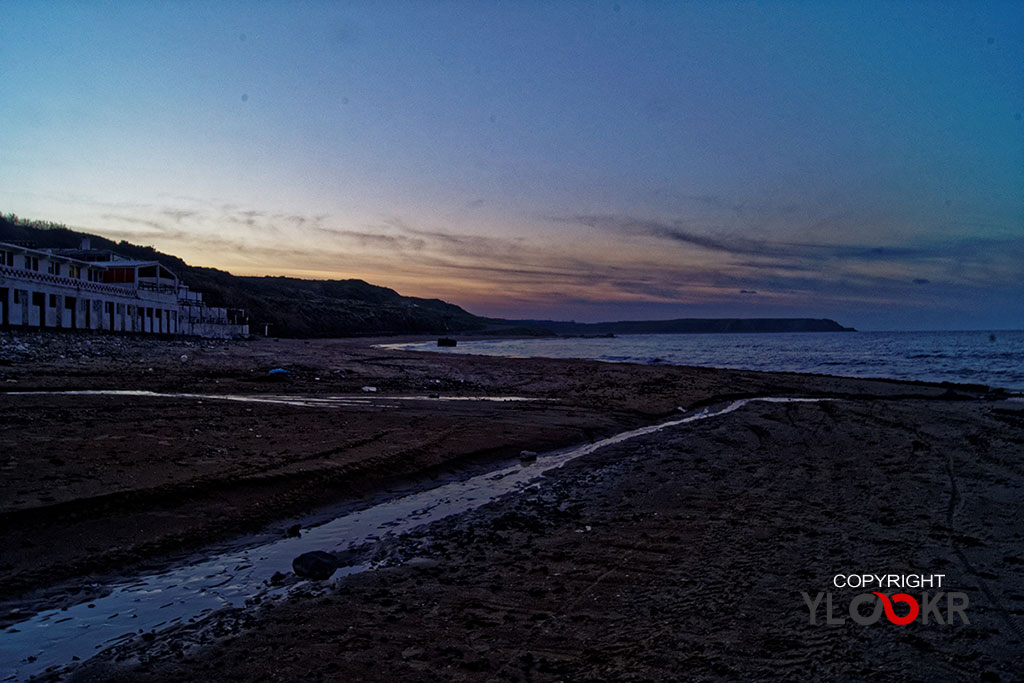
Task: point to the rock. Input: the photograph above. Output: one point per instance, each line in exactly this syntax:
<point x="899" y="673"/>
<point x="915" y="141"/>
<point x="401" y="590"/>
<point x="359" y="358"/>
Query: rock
<point x="293" y="531"/>
<point x="369" y="389"/>
<point x="411" y="652"/>
<point x="316" y="565"/>
<point x="527" y="456"/>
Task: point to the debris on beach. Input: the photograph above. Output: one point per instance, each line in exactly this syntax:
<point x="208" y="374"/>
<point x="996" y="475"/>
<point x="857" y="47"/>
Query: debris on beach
<point x="277" y="375"/>
<point x="369" y="389"/>
<point x="527" y="456"/>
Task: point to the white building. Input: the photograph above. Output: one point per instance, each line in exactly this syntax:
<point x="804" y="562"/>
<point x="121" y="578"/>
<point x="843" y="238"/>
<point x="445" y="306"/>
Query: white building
<point x="93" y="289"/>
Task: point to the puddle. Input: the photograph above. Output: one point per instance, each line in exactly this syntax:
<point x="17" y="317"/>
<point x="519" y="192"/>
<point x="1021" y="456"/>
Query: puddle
<point x="317" y="401"/>
<point x="51" y="639"/>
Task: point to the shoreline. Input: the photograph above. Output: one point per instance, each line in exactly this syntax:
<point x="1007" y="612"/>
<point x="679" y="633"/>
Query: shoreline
<point x="255" y="484"/>
<point x="676" y="349"/>
<point x="8" y="354"/>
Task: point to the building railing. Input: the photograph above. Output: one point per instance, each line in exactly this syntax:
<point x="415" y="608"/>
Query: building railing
<point x="212" y="321"/>
<point x="153" y="287"/>
<point x="28" y="277"/>
<point x="60" y="281"/>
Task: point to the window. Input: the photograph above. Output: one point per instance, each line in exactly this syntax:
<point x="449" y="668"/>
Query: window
<point x="53" y="268"/>
<point x="6" y="258"/>
<point x="118" y="275"/>
<point x="17" y="296"/>
<point x="75" y="271"/>
<point x="31" y="262"/>
<point x="53" y="301"/>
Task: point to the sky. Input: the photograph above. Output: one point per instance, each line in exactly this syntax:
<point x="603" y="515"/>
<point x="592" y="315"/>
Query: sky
<point x="862" y="161"/>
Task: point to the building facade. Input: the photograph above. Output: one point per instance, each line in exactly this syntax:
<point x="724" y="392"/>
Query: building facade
<point x="94" y="289"/>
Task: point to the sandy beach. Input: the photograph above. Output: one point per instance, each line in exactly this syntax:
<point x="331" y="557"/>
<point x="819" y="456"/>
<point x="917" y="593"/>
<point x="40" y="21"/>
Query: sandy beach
<point x="679" y="554"/>
<point x="513" y="342"/>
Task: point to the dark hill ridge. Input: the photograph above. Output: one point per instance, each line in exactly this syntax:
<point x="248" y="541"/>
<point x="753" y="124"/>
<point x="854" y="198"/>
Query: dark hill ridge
<point x="345" y="308"/>
<point x="293" y="307"/>
<point x="689" y="326"/>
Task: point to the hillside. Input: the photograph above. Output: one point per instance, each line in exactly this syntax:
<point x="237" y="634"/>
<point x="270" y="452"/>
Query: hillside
<point x="345" y="308"/>
<point x="293" y="307"/>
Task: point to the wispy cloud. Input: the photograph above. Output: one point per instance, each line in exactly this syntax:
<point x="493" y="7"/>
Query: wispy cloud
<point x="630" y="259"/>
<point x="967" y="252"/>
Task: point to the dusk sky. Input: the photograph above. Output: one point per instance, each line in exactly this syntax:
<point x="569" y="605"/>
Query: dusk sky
<point x="592" y="161"/>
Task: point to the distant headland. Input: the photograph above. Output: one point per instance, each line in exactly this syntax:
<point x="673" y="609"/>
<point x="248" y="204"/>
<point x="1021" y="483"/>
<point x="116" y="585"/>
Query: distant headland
<point x="688" y="326"/>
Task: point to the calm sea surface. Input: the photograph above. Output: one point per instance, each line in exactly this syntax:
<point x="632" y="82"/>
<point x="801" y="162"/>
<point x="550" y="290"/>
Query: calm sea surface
<point x="992" y="358"/>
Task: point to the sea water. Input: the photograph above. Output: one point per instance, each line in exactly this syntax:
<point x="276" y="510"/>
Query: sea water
<point x="995" y="359"/>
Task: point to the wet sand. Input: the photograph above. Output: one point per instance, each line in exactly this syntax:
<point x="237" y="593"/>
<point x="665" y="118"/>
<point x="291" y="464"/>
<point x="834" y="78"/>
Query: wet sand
<point x="678" y="555"/>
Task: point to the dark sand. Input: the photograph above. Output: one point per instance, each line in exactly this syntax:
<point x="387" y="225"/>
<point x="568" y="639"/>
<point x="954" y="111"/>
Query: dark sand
<point x="680" y="555"/>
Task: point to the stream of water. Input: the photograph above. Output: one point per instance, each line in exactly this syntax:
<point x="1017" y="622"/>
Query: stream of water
<point x="319" y="401"/>
<point x="53" y="639"/>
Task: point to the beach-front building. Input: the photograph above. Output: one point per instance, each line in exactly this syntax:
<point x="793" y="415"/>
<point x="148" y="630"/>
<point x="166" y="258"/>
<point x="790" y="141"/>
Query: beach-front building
<point x="96" y="289"/>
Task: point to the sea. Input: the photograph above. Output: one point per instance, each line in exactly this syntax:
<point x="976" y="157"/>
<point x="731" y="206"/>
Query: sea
<point x="992" y="358"/>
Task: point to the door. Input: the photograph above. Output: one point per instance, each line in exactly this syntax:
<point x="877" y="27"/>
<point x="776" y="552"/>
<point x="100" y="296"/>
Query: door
<point x="39" y="302"/>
